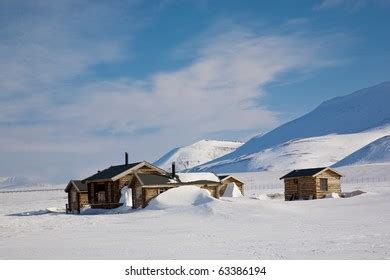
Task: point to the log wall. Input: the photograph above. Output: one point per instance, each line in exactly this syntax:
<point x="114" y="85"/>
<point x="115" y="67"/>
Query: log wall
<point x="334" y="185"/>
<point x="299" y="188"/>
<point x="83" y="199"/>
<point x="310" y="187"/>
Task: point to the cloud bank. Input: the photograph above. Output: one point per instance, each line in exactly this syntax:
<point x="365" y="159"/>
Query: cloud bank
<point x="56" y="122"/>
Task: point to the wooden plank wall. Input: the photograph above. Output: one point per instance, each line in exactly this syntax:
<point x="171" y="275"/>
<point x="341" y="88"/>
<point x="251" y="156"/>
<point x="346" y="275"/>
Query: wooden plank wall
<point x="83" y="199"/>
<point x="148" y="194"/>
<point x="334" y="185"/>
<point x="300" y="187"/>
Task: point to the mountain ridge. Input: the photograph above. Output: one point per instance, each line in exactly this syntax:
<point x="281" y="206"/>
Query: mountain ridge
<point x="357" y="112"/>
<point x="196" y="153"/>
<point x="375" y="152"/>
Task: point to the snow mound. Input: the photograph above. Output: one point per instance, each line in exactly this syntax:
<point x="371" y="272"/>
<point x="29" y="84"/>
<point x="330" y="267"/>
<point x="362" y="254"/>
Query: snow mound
<point x="332" y="195"/>
<point x="263" y="197"/>
<point x="197" y="153"/>
<point x="232" y="190"/>
<point x="51" y="210"/>
<point x="352" y="194"/>
<point x="181" y="196"/>
<point x="377" y="151"/>
<point x="197" y="176"/>
<point x="126" y="197"/>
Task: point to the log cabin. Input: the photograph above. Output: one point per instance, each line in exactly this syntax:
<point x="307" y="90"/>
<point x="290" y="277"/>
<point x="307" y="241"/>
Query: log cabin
<point x="77" y="196"/>
<point x="228" y="179"/>
<point x="104" y="187"/>
<point x="144" y="180"/>
<point x="311" y="183"/>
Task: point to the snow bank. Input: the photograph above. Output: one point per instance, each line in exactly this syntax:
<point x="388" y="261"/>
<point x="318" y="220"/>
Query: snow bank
<point x="332" y="195"/>
<point x="51" y="210"/>
<point x="270" y="196"/>
<point x="352" y="193"/>
<point x="232" y="190"/>
<point x="263" y="197"/>
<point x="126" y="197"/>
<point x="197" y="176"/>
<point x="181" y="196"/>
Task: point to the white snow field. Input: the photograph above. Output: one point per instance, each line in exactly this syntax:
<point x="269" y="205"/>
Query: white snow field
<point x="259" y="227"/>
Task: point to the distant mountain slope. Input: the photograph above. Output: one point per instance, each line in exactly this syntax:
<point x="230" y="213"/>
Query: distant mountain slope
<point x="302" y="153"/>
<point x="360" y="111"/>
<point x="24" y="183"/>
<point x="375" y="152"/>
<point x="197" y="153"/>
<point x="6" y="182"/>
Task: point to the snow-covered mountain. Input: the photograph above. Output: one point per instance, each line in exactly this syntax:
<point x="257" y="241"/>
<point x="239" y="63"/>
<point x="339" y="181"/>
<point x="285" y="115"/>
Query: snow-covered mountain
<point x="25" y="183"/>
<point x="6" y="182"/>
<point x="197" y="153"/>
<point x="366" y="110"/>
<point x="377" y="151"/>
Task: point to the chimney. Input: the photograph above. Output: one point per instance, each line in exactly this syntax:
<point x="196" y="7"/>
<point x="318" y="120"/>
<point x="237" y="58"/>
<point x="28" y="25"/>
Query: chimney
<point x="126" y="158"/>
<point x="173" y="170"/>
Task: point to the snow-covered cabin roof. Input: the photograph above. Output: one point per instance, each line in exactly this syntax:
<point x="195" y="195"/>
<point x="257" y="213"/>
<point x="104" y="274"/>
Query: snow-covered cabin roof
<point x="197" y="177"/>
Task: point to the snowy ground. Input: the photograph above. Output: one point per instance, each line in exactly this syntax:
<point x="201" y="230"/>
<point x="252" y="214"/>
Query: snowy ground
<point x="233" y="228"/>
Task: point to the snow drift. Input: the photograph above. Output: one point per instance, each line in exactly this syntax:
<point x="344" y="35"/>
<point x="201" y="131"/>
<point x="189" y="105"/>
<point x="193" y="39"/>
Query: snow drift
<point x="377" y="151"/>
<point x="126" y="197"/>
<point x="180" y="197"/>
<point x="232" y="190"/>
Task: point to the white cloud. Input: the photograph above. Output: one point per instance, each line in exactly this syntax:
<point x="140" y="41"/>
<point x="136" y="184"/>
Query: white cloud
<point x="218" y="90"/>
<point x="352" y="5"/>
<point x="46" y="42"/>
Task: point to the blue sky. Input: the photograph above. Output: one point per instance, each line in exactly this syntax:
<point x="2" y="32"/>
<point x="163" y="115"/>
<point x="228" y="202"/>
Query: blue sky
<point x="83" y="81"/>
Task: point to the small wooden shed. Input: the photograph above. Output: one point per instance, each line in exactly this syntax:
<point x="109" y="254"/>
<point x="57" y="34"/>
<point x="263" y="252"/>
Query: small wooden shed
<point x="77" y="196"/>
<point x="311" y="183"/>
<point x="228" y="179"/>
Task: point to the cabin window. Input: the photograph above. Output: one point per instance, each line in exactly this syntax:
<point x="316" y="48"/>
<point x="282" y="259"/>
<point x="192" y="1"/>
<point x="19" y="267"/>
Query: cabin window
<point x="324" y="184"/>
<point x="295" y="181"/>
